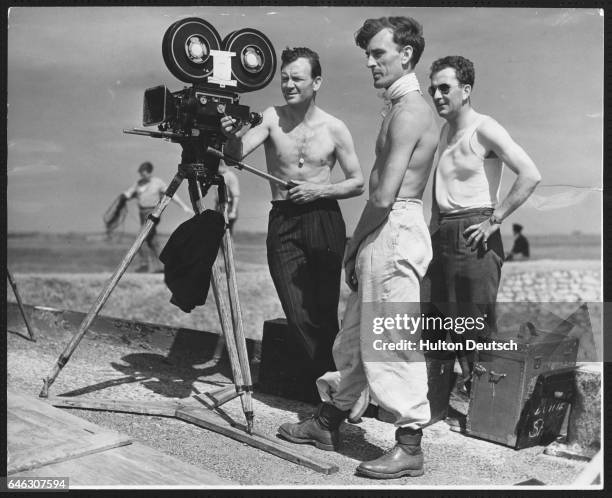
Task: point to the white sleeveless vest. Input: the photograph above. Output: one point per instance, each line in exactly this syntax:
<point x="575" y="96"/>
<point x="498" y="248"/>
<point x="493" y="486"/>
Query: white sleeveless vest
<point x="464" y="178"/>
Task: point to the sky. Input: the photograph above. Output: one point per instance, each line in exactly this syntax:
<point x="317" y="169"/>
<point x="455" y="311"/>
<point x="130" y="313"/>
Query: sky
<point x="76" y="78"/>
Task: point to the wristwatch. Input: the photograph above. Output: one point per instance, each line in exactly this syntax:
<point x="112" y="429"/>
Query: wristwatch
<point x="494" y="220"/>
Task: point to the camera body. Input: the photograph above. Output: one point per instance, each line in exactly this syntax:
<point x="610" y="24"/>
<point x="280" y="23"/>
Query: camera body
<point x="193" y="108"/>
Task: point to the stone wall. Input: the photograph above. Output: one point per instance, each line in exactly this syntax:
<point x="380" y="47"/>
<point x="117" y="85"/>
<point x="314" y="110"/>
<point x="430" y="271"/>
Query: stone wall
<point x="546" y="292"/>
<point x="551" y="280"/>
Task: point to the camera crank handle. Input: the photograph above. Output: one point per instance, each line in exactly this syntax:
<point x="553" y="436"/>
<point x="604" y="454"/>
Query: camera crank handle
<point x="254" y="118"/>
<point x="240" y="165"/>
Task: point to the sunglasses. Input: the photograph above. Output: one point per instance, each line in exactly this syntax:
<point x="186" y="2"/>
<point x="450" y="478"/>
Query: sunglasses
<point x="444" y="89"/>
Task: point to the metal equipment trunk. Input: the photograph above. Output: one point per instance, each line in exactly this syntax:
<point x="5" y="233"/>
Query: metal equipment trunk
<point x="520" y="398"/>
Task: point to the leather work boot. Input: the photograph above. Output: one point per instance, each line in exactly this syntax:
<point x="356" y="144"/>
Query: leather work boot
<point x="321" y="429"/>
<point x="404" y="459"/>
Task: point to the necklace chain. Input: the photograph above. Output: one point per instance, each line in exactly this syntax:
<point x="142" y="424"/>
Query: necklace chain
<point x="302" y="144"/>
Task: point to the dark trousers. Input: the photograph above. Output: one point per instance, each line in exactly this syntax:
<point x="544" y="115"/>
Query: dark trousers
<point x="149" y="254"/>
<point x="464" y="282"/>
<point x="305" y="249"/>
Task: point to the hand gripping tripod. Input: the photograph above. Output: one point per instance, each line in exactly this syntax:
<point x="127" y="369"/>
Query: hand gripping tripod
<point x="199" y="165"/>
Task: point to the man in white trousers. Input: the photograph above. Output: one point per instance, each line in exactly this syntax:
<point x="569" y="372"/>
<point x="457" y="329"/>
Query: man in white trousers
<point x="385" y="260"/>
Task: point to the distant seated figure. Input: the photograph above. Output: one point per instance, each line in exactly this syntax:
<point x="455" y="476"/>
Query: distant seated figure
<point x="520" y="248"/>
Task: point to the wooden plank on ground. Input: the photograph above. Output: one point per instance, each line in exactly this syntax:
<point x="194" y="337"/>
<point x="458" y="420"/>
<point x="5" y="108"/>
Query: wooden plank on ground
<point x="35" y="428"/>
<point x="132" y="465"/>
<point x="213" y="422"/>
<point x="39" y="412"/>
<point x="68" y="450"/>
<point x="159" y="408"/>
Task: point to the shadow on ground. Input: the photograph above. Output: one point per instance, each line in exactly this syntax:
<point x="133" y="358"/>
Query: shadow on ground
<point x="189" y="359"/>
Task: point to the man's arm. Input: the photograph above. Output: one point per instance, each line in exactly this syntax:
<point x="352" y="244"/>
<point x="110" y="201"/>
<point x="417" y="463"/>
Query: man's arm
<point x="131" y="192"/>
<point x="351" y="186"/>
<point x="233" y="190"/>
<point x="403" y="134"/>
<point x="495" y="137"/>
<point x="175" y="198"/>
<point x="233" y="208"/>
<point x="241" y="142"/>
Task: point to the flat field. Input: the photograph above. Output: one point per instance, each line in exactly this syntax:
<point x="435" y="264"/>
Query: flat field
<point x="91" y="253"/>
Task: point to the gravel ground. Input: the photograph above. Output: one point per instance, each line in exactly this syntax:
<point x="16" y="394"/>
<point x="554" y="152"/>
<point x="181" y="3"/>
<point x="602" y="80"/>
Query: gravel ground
<point x="451" y="459"/>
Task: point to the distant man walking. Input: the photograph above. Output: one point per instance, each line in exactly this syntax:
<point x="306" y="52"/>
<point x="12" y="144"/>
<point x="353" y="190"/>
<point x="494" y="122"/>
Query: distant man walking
<point x="148" y="190"/>
<point x="385" y="261"/>
<point x="467" y="246"/>
<point x="306" y="232"/>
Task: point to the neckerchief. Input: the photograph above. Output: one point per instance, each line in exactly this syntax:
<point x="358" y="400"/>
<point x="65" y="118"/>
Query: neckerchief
<point x="400" y="87"/>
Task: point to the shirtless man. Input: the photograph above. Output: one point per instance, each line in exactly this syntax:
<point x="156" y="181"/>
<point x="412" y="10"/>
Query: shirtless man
<point x="385" y="261"/>
<point x="306" y="232"/>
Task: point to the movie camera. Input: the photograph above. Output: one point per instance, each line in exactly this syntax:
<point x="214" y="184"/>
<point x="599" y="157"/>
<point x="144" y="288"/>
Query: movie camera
<point x="219" y="70"/>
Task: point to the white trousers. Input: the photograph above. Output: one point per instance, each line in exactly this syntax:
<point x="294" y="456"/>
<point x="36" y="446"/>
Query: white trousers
<point x="390" y="264"/>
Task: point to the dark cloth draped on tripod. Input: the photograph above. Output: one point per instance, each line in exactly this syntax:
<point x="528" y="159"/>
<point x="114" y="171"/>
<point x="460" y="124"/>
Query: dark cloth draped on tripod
<point x="188" y="258"/>
<point x="115" y="214"/>
<point x="305" y="248"/>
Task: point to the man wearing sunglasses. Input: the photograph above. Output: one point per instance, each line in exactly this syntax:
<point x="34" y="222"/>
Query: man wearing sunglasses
<point x="466" y="212"/>
<point x="385" y="260"/>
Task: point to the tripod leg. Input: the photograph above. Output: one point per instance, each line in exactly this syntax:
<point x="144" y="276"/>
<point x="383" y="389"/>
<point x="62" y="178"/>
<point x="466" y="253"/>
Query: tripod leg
<point x="230" y="270"/>
<point x="109" y="286"/>
<point x="226" y="327"/>
<point x="220" y="344"/>
<point x="19" y="303"/>
<point x="222" y="397"/>
<point x="222" y="308"/>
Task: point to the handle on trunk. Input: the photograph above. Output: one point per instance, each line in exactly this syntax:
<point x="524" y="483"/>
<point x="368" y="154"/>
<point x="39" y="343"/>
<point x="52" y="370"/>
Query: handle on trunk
<point x="496" y="377"/>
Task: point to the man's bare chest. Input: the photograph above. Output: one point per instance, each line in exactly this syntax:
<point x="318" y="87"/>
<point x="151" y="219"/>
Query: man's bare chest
<point x="304" y="144"/>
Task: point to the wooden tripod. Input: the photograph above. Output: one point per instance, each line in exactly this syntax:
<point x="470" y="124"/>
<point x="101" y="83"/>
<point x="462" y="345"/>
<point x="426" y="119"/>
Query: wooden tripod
<point x="200" y="178"/>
